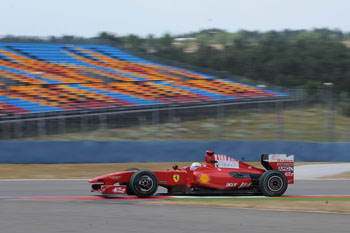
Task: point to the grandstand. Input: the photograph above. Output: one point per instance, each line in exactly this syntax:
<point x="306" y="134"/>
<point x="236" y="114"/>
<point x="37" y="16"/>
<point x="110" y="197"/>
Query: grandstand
<point x="56" y="88"/>
<point x="63" y="79"/>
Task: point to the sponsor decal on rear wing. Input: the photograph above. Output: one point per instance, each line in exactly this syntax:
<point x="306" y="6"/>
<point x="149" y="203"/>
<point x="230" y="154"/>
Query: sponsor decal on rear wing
<point x="281" y="163"/>
<point x="280" y="158"/>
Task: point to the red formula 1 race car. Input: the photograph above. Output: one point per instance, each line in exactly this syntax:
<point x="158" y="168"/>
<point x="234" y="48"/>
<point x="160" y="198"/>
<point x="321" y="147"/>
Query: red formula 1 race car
<point x="220" y="174"/>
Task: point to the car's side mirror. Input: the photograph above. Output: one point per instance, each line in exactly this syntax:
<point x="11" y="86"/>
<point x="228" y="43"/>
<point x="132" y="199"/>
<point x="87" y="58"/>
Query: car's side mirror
<point x="176" y="167"/>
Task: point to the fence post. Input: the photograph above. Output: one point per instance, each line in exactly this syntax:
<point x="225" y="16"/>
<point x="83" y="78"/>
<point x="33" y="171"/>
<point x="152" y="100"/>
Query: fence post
<point x="261" y="117"/>
<point x="18" y="128"/>
<point x="301" y="98"/>
<point x="155" y="122"/>
<point x="42" y="128"/>
<point x="83" y="124"/>
<point x="171" y="120"/>
<point x="346" y="111"/>
<point x="330" y="111"/>
<point x="220" y="114"/>
<point x="279" y="112"/>
<point x="5" y="131"/>
<point x="62" y="123"/>
<point x="103" y="122"/>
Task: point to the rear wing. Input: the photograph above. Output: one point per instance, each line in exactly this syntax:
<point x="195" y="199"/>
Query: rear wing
<point x="280" y="162"/>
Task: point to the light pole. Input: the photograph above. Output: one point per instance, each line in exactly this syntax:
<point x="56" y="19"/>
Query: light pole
<point x="261" y="115"/>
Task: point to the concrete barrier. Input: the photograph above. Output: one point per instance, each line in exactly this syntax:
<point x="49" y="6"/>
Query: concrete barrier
<point x="119" y="152"/>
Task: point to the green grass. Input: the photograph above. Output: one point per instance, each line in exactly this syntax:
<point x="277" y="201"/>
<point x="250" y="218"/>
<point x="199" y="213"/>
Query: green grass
<point x="324" y="204"/>
<point x="293" y="124"/>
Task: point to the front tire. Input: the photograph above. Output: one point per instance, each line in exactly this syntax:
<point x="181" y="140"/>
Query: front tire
<point x="128" y="188"/>
<point x="273" y="183"/>
<point x="132" y="169"/>
<point x="143" y="183"/>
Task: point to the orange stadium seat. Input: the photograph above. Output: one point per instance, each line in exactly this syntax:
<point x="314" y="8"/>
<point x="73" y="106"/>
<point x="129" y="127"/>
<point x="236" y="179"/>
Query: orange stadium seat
<point x="42" y="78"/>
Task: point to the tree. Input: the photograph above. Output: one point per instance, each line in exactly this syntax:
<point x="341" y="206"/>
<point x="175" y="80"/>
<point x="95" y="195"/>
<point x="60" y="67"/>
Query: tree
<point x="165" y="41"/>
<point x="133" y="40"/>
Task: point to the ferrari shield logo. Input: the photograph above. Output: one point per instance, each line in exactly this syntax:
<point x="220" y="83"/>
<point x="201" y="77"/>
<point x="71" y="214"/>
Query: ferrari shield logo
<point x="176" y="178"/>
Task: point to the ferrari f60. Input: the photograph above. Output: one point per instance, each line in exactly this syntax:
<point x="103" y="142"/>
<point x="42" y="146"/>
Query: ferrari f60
<point x="219" y="175"/>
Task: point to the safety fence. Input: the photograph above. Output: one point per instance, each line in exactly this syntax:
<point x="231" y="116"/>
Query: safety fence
<point x="122" y="152"/>
<point x="313" y="119"/>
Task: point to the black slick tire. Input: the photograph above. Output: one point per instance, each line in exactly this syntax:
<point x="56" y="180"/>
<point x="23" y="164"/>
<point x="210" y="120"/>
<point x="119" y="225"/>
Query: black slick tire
<point x="273" y="183"/>
<point x="131" y="169"/>
<point x="143" y="183"/>
<point x="128" y="188"/>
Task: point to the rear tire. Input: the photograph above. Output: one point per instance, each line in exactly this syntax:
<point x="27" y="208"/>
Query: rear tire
<point x="143" y="183"/>
<point x="273" y="183"/>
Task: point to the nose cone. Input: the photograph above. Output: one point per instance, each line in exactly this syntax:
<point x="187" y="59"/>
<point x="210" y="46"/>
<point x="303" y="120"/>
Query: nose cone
<point x="99" y="179"/>
<point x="94" y="180"/>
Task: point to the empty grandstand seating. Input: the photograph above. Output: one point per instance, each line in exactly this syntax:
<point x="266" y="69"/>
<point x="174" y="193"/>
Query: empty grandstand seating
<point x="51" y="78"/>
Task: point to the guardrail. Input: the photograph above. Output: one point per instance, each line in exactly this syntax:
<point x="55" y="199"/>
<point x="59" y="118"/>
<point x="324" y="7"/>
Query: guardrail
<point x="122" y="152"/>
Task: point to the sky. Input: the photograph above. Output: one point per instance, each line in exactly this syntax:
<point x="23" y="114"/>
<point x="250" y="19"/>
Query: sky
<point x="87" y="18"/>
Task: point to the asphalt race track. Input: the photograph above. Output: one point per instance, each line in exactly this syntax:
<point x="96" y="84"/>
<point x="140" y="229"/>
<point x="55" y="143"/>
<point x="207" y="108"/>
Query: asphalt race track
<point x="115" y="215"/>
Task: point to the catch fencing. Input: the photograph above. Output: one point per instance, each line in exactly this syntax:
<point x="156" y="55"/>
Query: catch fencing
<point x="316" y="117"/>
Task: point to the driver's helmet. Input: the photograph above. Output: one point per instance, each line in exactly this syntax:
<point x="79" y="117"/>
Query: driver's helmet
<point x="195" y="165"/>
